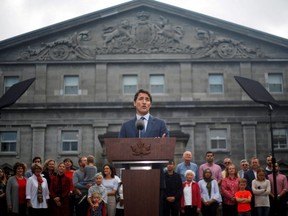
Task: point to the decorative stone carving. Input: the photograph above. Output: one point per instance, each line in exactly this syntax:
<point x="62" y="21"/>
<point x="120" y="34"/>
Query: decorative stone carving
<point x="63" y="49"/>
<point x="143" y="36"/>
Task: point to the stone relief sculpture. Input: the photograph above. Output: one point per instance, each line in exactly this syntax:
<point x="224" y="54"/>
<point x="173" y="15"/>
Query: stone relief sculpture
<point x="143" y="36"/>
<point x="62" y="49"/>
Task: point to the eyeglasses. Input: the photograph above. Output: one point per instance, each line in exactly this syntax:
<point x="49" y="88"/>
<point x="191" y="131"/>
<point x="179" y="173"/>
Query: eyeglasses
<point x="227" y="162"/>
<point x="244" y="164"/>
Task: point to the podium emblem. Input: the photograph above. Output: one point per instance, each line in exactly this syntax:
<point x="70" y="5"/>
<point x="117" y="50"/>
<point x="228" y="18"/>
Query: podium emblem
<point x="141" y="148"/>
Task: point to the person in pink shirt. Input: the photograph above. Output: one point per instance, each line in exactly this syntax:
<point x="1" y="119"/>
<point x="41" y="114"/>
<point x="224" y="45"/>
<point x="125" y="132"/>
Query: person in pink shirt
<point x="282" y="187"/>
<point x="215" y="168"/>
<point x="229" y="186"/>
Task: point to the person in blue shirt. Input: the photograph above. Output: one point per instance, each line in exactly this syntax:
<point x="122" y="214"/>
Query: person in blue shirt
<point x="182" y="167"/>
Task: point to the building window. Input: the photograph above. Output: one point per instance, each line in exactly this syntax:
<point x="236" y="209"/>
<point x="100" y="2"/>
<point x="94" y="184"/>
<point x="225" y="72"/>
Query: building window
<point x="10" y="81"/>
<point x="70" y="141"/>
<point x="130" y="84"/>
<point x="280" y="138"/>
<point x="71" y="85"/>
<point x="216" y="83"/>
<point x="157" y="84"/>
<point x="8" y="141"/>
<point x="275" y="83"/>
<point x="218" y="139"/>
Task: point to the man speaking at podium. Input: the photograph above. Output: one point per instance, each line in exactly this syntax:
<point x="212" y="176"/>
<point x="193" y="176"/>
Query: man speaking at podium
<point x="143" y="125"/>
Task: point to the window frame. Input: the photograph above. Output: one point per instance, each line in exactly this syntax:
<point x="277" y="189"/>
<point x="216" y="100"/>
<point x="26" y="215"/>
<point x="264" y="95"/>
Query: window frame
<point x="227" y="140"/>
<point x="132" y="92"/>
<point x="64" y="85"/>
<point x="210" y="85"/>
<point x="286" y="138"/>
<point x="5" y="87"/>
<point x="60" y="141"/>
<point x="17" y="143"/>
<point x="151" y="85"/>
<point x="280" y="75"/>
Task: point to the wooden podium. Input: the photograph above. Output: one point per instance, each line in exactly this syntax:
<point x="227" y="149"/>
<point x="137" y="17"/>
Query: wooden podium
<point x="142" y="159"/>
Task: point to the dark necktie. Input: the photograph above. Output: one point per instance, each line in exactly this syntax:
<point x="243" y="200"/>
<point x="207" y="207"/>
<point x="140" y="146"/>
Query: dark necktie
<point x="143" y="131"/>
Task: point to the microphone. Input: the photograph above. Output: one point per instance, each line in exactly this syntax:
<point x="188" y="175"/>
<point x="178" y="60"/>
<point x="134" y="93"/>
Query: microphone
<point x="139" y="124"/>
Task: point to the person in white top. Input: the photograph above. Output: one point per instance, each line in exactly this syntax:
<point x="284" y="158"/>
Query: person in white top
<point x="210" y="194"/>
<point x="37" y="192"/>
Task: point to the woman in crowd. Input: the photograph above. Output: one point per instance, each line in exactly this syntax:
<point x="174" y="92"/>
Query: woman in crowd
<point x="59" y="193"/>
<point x="230" y="185"/>
<point x="49" y="170"/>
<point x="111" y="184"/>
<point x="210" y="194"/>
<point x="191" y="197"/>
<point x="3" y="201"/>
<point x="261" y="189"/>
<point x="37" y="192"/>
<point x="15" y="191"/>
<point x="69" y="173"/>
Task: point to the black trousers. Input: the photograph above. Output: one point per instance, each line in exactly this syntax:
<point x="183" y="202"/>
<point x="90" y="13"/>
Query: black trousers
<point x="171" y="208"/>
<point x="190" y="211"/>
<point x="39" y="212"/>
<point x="210" y="210"/>
<point x="81" y="208"/>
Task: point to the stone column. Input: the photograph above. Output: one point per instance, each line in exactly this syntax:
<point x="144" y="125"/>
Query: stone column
<point x="249" y="138"/>
<point x="40" y="83"/>
<point x="188" y="128"/>
<point x="245" y="71"/>
<point x="99" y="151"/>
<point x="38" y="140"/>
<point x="101" y="82"/>
<point x="186" y="81"/>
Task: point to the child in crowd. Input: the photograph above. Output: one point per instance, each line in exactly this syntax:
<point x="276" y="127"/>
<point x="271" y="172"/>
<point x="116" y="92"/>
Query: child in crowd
<point x="243" y="198"/>
<point x="261" y="189"/>
<point x="191" y="197"/>
<point x="90" y="171"/>
<point x="99" y="188"/>
<point x="97" y="205"/>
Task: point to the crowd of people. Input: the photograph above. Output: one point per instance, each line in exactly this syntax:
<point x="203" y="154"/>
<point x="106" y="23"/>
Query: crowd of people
<point x="247" y="192"/>
<point x="188" y="189"/>
<point x="56" y="189"/>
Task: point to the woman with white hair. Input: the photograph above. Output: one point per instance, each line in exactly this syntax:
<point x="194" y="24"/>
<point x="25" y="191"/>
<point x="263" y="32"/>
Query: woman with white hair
<point x="191" y="198"/>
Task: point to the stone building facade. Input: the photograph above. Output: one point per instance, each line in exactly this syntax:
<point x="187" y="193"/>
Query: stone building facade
<point x="87" y="70"/>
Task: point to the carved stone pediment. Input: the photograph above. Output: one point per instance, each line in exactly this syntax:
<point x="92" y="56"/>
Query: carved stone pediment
<point x="140" y="34"/>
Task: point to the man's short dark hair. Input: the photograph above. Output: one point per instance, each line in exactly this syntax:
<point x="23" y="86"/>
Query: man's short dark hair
<point x="142" y="91"/>
<point x="36" y="158"/>
<point x="209" y="152"/>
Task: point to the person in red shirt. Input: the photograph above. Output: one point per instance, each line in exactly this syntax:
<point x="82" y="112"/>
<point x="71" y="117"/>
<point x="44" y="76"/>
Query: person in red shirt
<point x="15" y="191"/>
<point x="59" y="193"/>
<point x="69" y="173"/>
<point x="243" y="198"/>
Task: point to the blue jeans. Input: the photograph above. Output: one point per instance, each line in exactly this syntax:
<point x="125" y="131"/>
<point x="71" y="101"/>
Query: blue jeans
<point x="248" y="213"/>
<point x="262" y="211"/>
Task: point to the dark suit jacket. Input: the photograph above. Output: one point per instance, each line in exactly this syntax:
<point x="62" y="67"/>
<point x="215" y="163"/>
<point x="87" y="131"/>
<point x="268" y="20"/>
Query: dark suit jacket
<point x="249" y="176"/>
<point x="155" y="128"/>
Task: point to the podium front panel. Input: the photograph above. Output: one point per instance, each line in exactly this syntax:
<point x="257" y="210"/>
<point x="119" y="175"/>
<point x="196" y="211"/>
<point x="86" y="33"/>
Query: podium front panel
<point x="141" y="192"/>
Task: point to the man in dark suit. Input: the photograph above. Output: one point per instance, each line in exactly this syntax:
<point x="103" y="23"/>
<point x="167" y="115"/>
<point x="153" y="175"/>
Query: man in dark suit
<point x="250" y="175"/>
<point x="153" y="127"/>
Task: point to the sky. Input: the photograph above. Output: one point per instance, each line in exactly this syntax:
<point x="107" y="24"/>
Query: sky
<point x="21" y="16"/>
